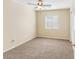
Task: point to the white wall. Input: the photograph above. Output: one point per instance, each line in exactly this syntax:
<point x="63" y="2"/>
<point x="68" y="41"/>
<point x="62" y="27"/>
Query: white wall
<point x="72" y="15"/>
<point x="63" y="32"/>
<point x="19" y="24"/>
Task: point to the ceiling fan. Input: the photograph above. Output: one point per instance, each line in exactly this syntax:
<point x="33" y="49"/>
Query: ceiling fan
<point x="40" y="4"/>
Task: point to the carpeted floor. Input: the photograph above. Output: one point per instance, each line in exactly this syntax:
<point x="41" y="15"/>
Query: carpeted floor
<point x="41" y="48"/>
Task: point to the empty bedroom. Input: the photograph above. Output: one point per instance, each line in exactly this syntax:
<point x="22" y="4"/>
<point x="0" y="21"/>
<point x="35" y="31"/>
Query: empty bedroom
<point x="38" y="29"/>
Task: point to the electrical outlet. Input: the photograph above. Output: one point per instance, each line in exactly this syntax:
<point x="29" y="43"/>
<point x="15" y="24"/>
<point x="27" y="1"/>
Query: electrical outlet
<point x="12" y="41"/>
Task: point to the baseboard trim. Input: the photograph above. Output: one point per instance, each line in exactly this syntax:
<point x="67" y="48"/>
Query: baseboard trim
<point x="53" y="38"/>
<point x="17" y="45"/>
<point x="32" y="39"/>
<point x="73" y="45"/>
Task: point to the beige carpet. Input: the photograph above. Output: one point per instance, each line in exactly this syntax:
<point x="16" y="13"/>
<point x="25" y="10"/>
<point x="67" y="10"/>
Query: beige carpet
<point x="41" y="48"/>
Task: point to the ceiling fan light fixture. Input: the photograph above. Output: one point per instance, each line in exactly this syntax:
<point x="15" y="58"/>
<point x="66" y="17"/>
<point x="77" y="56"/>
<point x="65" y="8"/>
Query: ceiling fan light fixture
<point x="39" y="4"/>
<point x="39" y="7"/>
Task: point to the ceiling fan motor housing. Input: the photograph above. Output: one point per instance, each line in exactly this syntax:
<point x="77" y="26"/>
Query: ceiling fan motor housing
<point x="40" y="3"/>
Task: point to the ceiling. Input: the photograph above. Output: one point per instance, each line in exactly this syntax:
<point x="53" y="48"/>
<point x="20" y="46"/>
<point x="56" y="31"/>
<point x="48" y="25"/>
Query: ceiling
<point x="54" y="3"/>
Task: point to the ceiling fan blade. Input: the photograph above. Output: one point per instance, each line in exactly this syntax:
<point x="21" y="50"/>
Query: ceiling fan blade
<point x="48" y="5"/>
<point x="31" y="4"/>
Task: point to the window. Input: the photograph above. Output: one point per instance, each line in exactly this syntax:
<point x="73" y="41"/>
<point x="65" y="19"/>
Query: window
<point x="51" y="22"/>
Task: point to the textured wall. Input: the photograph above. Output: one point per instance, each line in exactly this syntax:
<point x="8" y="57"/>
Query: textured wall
<point x="19" y="24"/>
<point x="64" y="24"/>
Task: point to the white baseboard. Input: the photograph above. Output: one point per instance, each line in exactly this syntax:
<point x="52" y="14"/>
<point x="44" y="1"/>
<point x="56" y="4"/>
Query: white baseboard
<point x="27" y="41"/>
<point x="73" y="45"/>
<point x="17" y="45"/>
<point x="53" y="38"/>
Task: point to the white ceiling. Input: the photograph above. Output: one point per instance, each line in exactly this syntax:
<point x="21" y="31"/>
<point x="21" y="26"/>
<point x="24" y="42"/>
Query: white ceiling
<point x="54" y="3"/>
